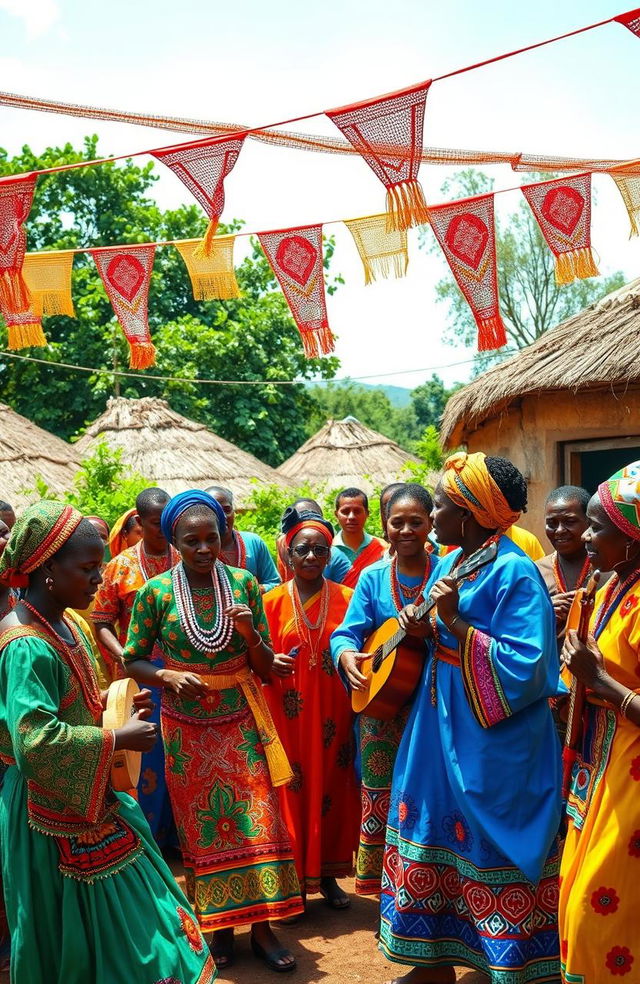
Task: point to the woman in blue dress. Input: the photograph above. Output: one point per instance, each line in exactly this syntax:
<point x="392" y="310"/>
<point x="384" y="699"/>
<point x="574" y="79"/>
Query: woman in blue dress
<point x="383" y="591"/>
<point x="471" y="864"/>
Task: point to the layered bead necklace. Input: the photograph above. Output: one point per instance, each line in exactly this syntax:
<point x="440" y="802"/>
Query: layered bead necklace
<point x="76" y="658"/>
<point x="398" y="589"/>
<point x="560" y="579"/>
<point x="309" y="633"/>
<point x="204" y="640"/>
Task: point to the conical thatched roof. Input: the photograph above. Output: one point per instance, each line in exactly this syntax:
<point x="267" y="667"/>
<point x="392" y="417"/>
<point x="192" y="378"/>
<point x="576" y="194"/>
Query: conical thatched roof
<point x="599" y="348"/>
<point x="28" y="451"/>
<point x="346" y="453"/>
<point x="172" y="451"/>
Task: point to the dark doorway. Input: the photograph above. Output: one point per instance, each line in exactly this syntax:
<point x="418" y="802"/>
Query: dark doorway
<point x="588" y="463"/>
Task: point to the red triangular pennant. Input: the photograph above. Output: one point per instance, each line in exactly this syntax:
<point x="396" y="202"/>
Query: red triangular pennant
<point x="126" y="275"/>
<point x="562" y="209"/>
<point x="202" y="168"/>
<point x="295" y="256"/>
<point x="466" y="233"/>
<point x="387" y="132"/>
<point x="16" y="196"/>
<point x="631" y="20"/>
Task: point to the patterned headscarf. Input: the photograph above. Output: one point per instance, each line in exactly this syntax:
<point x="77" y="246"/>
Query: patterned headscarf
<point x="184" y="500"/>
<point x="117" y="541"/>
<point x="39" y="533"/>
<point x="620" y="498"/>
<point x="294" y="521"/>
<point x="467" y="482"/>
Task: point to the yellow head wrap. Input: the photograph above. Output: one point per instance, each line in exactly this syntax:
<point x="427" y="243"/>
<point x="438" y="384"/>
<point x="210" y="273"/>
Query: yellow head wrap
<point x="467" y="482"/>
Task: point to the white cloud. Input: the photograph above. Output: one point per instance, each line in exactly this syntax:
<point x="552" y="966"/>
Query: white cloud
<point x="38" y="16"/>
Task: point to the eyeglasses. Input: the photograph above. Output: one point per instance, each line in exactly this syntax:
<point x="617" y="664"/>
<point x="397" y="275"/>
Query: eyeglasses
<point x="317" y="549"/>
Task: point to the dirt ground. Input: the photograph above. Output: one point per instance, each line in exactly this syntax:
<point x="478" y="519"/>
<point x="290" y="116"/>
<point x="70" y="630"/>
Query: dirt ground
<point x="330" y="947"/>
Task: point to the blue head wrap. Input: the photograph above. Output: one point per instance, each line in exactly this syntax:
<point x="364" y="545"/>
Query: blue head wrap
<point x="184" y="500"/>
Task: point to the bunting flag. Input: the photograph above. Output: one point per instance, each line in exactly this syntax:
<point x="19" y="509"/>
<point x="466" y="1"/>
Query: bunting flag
<point x="631" y="20"/>
<point x="383" y="253"/>
<point x="295" y="256"/>
<point x="48" y="277"/>
<point x="387" y="132"/>
<point x="202" y="168"/>
<point x="629" y="187"/>
<point x="562" y="209"/>
<point x="16" y="196"/>
<point x="126" y="275"/>
<point x="212" y="277"/>
<point x="23" y="329"/>
<point x="466" y="233"/>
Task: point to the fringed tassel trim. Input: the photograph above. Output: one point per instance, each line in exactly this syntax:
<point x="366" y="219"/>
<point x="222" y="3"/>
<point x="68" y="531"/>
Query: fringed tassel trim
<point x="14" y="293"/>
<point x="385" y="266"/>
<point x="204" y="250"/>
<point x="143" y="355"/>
<point x="317" y="341"/>
<point x="52" y="303"/>
<point x="406" y="206"/>
<point x="491" y="334"/>
<point x="578" y="264"/>
<point x="214" y="286"/>
<point x="26" y="335"/>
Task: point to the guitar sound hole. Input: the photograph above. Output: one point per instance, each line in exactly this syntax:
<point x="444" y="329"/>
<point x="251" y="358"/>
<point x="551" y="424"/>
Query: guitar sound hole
<point x="376" y="662"/>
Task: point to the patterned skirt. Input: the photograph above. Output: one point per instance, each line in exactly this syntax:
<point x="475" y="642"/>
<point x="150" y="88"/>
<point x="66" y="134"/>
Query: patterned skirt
<point x="235" y="846"/>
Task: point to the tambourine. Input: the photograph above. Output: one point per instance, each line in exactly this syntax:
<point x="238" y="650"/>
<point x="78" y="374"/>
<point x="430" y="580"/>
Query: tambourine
<point x="125" y="767"/>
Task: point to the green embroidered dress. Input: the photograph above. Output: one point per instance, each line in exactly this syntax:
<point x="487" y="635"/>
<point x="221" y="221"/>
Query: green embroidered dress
<point x="234" y="843"/>
<point x="88" y="895"/>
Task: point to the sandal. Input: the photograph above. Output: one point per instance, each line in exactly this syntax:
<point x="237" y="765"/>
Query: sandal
<point x="222" y="949"/>
<point x="335" y="898"/>
<point x="271" y="957"/>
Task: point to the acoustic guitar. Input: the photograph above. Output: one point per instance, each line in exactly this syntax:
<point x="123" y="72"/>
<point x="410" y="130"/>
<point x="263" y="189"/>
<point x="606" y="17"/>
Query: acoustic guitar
<point x="396" y="659"/>
<point x="126" y="764"/>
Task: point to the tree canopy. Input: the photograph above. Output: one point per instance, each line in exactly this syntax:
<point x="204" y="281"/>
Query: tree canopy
<point x="250" y="338"/>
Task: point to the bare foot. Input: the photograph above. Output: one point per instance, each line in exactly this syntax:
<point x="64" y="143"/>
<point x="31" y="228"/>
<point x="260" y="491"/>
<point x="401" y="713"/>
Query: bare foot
<point x="266" y="946"/>
<point x="425" y="975"/>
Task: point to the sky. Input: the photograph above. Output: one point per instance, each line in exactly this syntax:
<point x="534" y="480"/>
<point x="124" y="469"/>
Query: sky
<point x="255" y="63"/>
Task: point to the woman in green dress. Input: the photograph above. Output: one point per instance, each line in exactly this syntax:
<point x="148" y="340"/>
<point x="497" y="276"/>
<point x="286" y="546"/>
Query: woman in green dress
<point x="79" y="865"/>
<point x="223" y="756"/>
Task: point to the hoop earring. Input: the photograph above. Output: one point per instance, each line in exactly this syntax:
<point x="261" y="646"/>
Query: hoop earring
<point x="462" y="528"/>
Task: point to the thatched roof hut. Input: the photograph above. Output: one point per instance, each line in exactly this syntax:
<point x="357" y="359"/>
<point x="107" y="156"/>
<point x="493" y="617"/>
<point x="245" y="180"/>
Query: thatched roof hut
<point x="346" y="453"/>
<point x="172" y="451"/>
<point x="567" y="408"/>
<point x="28" y="451"/>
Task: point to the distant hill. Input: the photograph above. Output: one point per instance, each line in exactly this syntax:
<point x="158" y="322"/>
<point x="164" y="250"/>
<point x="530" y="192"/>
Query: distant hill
<point x="398" y="396"/>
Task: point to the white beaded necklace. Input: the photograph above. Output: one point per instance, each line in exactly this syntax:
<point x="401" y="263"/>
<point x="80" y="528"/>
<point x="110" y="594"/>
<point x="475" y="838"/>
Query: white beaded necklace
<point x="204" y="640"/>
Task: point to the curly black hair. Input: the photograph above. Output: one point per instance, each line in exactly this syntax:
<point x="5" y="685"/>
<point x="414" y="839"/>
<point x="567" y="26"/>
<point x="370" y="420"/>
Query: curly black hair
<point x="510" y="481"/>
<point x="413" y="491"/>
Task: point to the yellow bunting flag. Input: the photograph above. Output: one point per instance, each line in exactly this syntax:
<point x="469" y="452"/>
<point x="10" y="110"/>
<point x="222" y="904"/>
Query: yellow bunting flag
<point x="23" y="329"/>
<point x="212" y="277"/>
<point x="48" y="277"/>
<point x="383" y="254"/>
<point x="629" y="188"/>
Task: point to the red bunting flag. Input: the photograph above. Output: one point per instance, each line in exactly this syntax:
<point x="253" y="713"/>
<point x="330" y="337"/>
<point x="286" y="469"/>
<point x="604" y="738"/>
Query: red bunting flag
<point x="387" y="132"/>
<point x="126" y="275"/>
<point x="631" y="20"/>
<point x="466" y="233"/>
<point x="295" y="256"/>
<point x="16" y="196"/>
<point x="562" y="209"/>
<point x="202" y="167"/>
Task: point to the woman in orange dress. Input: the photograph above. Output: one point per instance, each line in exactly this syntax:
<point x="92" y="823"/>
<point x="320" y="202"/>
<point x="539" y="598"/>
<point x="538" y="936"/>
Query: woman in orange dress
<point x="312" y="712"/>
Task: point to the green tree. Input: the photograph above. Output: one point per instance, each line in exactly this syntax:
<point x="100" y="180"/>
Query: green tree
<point x="429" y="400"/>
<point x="251" y="338"/>
<point x="530" y="300"/>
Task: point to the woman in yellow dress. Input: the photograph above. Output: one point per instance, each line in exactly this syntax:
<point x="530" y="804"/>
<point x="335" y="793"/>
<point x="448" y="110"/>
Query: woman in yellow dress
<point x="598" y="918"/>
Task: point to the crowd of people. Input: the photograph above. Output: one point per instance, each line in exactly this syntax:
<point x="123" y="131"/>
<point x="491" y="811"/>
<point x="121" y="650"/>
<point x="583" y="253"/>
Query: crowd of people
<point x="258" y="772"/>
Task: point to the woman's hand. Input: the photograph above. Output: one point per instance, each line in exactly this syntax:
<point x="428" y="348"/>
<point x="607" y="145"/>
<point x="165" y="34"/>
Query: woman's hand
<point x="242" y="618"/>
<point x="137" y="735"/>
<point x="186" y="685"/>
<point x="143" y="704"/>
<point x="351" y="661"/>
<point x="420" y="629"/>
<point x="285" y="663"/>
<point x="561" y="606"/>
<point x="585" y="661"/>
<point x="445" y="594"/>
